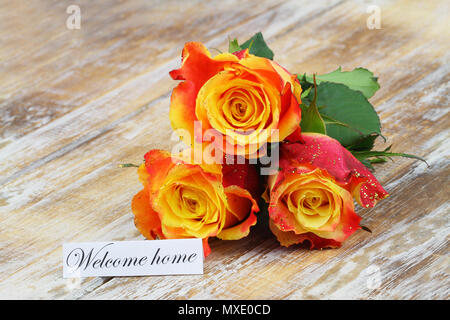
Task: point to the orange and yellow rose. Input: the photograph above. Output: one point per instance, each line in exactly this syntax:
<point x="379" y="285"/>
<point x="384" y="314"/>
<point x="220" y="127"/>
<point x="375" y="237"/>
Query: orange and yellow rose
<point x="185" y="200"/>
<point x="241" y="97"/>
<point x="311" y="196"/>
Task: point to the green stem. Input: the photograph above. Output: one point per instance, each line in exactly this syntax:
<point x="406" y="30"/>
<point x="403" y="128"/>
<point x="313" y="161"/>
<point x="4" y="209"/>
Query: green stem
<point x="128" y="165"/>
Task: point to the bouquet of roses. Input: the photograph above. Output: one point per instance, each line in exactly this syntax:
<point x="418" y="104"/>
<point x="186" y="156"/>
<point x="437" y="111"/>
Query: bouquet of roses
<point x="254" y="131"/>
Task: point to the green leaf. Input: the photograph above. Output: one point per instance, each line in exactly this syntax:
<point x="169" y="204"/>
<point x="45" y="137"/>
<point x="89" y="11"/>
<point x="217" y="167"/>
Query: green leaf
<point x="306" y="89"/>
<point x="377" y="160"/>
<point x="358" y="79"/>
<point x="257" y="46"/>
<point x="128" y="165"/>
<point x="348" y="115"/>
<point x="364" y="144"/>
<point x="331" y="121"/>
<point x="305" y="93"/>
<point x="311" y="119"/>
<point x="366" y="155"/>
<point x="234" y="46"/>
<point x="367" y="163"/>
<point x="304" y="82"/>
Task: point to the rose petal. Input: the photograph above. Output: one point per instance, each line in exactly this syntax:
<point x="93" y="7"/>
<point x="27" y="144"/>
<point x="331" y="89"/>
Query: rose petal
<point x="197" y="64"/>
<point x="238" y="231"/>
<point x="206" y="247"/>
<point x="327" y="153"/>
<point x="290" y="118"/>
<point x="242" y="54"/>
<point x="197" y="67"/>
<point x="145" y="218"/>
<point x="182" y="111"/>
<point x="289" y="238"/>
<point x="178" y="233"/>
<point x="264" y="68"/>
<point x="242" y="229"/>
<point x="283" y="218"/>
<point x="246" y="206"/>
<point x="243" y="175"/>
<point x="158" y="164"/>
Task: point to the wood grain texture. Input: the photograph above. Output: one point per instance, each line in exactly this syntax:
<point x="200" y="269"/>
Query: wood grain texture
<point x="75" y="103"/>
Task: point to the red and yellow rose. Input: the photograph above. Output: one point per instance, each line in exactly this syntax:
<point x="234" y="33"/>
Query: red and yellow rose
<point x="311" y="196"/>
<point x="242" y="97"/>
<point x="185" y="200"/>
<point x="237" y="103"/>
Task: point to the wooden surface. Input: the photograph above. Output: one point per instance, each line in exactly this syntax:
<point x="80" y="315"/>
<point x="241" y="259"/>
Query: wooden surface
<point x="76" y="103"/>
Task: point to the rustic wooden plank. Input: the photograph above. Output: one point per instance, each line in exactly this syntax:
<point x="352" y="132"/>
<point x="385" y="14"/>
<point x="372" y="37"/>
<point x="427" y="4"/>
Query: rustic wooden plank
<point x="413" y="263"/>
<point x="97" y="99"/>
<point x="408" y="246"/>
<point x="56" y="70"/>
<point x="80" y="195"/>
<point x="42" y="181"/>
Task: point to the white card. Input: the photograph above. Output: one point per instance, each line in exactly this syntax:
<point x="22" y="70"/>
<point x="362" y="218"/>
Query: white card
<point x="133" y="258"/>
